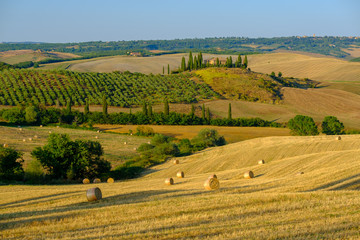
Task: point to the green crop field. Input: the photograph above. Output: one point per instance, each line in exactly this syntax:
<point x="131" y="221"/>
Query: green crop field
<point x="308" y="188"/>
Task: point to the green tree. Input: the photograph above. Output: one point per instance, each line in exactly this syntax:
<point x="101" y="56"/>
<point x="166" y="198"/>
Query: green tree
<point x="190" y="61"/>
<point x="68" y="106"/>
<point x="245" y="64"/>
<point x="272" y="74"/>
<point x="163" y="70"/>
<point x="11" y="164"/>
<point x="150" y="111"/>
<point x="183" y="64"/>
<point x="144" y="109"/>
<point x="217" y="62"/>
<point x="192" y="110"/>
<point x="57" y="103"/>
<point x="87" y="107"/>
<point x="203" y="112"/>
<point x="200" y="60"/>
<point x="238" y="62"/>
<point x="279" y="74"/>
<point x="229" y="112"/>
<point x="104" y="105"/>
<point x="166" y="108"/>
<point x="208" y="115"/>
<point x="207" y="138"/>
<point x="303" y="126"/>
<point x="168" y="69"/>
<point x="195" y="66"/>
<point x="31" y="114"/>
<point x="332" y="126"/>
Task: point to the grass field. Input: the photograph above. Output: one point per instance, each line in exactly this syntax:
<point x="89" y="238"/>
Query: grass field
<point x="279" y="203"/>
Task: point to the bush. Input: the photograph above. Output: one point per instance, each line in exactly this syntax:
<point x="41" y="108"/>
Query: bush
<point x="332" y="126"/>
<point x="159" y="139"/>
<point x="11" y="164"/>
<point x="34" y="172"/>
<point x="144" y="131"/>
<point x="303" y="126"/>
<point x="207" y="138"/>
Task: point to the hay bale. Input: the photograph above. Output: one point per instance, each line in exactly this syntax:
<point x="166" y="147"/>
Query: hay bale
<point x="249" y="174"/>
<point x="20" y="129"/>
<point x="57" y="126"/>
<point x="110" y="180"/>
<point x="24" y="140"/>
<point x="41" y="125"/>
<point x="148" y="142"/>
<point x="213" y="176"/>
<point x="212" y="184"/>
<point x="135" y="149"/>
<point x="169" y="181"/>
<point x="50" y="132"/>
<point x="30" y="139"/>
<point x="96" y="137"/>
<point x="338" y="138"/>
<point x="260" y="162"/>
<point x="97" y="180"/>
<point x="176" y="162"/>
<point x="5" y="145"/>
<point x="98" y="131"/>
<point x="180" y="174"/>
<point x="125" y="143"/>
<point x="93" y="194"/>
<point x="300" y="173"/>
<point x="86" y="181"/>
<point x="35" y="136"/>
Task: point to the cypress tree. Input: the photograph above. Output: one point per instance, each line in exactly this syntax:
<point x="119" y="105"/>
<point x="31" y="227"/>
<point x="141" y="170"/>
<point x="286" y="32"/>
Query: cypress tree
<point x="163" y="70"/>
<point x="104" y="105"/>
<point x="239" y="60"/>
<point x="86" y="109"/>
<point x="208" y="117"/>
<point x="149" y="111"/>
<point x="166" y="108"/>
<point x="190" y="62"/>
<point x="168" y="69"/>
<point x="230" y="62"/>
<point x="195" y="64"/>
<point x="183" y="64"/>
<point x="203" y="112"/>
<point x="68" y="106"/>
<point x="200" y="60"/>
<point x="245" y="62"/>
<point x="217" y="62"/>
<point x="229" y="112"/>
<point x="144" y="109"/>
<point x="192" y="110"/>
<point x="130" y="111"/>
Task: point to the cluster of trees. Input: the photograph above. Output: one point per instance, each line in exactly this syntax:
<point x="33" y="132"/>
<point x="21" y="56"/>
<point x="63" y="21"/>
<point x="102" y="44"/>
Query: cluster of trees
<point x="35" y="115"/>
<point x="163" y="147"/>
<point x="324" y="45"/>
<point x="305" y="126"/>
<point x="122" y="89"/>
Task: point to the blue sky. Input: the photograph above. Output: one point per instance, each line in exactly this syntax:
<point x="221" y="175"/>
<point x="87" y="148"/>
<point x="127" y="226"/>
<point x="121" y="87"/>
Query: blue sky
<point x="110" y="20"/>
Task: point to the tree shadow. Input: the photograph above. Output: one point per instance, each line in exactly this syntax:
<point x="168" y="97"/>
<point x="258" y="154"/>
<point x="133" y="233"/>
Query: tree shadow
<point x="344" y="186"/>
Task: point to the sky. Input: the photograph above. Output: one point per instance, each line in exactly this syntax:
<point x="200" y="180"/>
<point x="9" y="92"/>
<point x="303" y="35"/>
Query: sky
<point x="60" y="21"/>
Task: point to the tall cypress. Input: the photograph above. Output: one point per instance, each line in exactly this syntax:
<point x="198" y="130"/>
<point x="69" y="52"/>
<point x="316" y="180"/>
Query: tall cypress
<point x="183" y="64"/>
<point x="104" y="105"/>
<point x="239" y="61"/>
<point x="200" y="60"/>
<point x="208" y="117"/>
<point x="229" y="112"/>
<point x="166" y="108"/>
<point x="144" y="109"/>
<point x="245" y="62"/>
<point x="203" y="112"/>
<point x="217" y="62"/>
<point x="168" y="69"/>
<point x="163" y="70"/>
<point x="68" y="105"/>
<point x="190" y="62"/>
<point x="86" y="109"/>
<point x="195" y="64"/>
<point x="149" y="111"/>
<point x="192" y="110"/>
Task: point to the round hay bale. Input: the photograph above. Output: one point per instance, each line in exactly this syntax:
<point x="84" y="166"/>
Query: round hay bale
<point x="212" y="184"/>
<point x="86" y="181"/>
<point x="20" y="129"/>
<point x="180" y="174"/>
<point x="338" y="138"/>
<point x="96" y="137"/>
<point x="176" y="162"/>
<point x="30" y="139"/>
<point x="98" y="131"/>
<point x="24" y="140"/>
<point x="148" y="142"/>
<point x="5" y="145"/>
<point x="260" y="162"/>
<point x="135" y="149"/>
<point x="35" y="136"/>
<point x="213" y="176"/>
<point x="97" y="180"/>
<point x="41" y="125"/>
<point x="93" y="194"/>
<point x="169" y="181"/>
<point x="110" y="180"/>
<point x="50" y="132"/>
<point x="249" y="174"/>
<point x="57" y="126"/>
<point x="125" y="143"/>
<point x="300" y="173"/>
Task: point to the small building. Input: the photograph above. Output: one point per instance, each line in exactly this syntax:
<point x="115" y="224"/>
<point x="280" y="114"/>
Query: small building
<point x="136" y="54"/>
<point x="212" y="61"/>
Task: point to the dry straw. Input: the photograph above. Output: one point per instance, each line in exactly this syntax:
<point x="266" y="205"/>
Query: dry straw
<point x="30" y="139"/>
<point x="97" y="180"/>
<point x="86" y="181"/>
<point x="93" y="194"/>
<point x="176" y="162"/>
<point x="110" y="180"/>
<point x="260" y="162"/>
<point x="180" y="174"/>
<point x="169" y="181"/>
<point x="249" y="174"/>
<point x="212" y="184"/>
<point x="125" y="143"/>
<point x="5" y="145"/>
<point x="24" y="140"/>
<point x="338" y="138"/>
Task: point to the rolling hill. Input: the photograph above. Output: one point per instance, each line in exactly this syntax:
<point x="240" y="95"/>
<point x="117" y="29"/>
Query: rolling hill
<point x="307" y="189"/>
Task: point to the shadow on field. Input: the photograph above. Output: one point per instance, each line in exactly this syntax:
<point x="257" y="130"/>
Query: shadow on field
<point x="351" y="185"/>
<point x="27" y="200"/>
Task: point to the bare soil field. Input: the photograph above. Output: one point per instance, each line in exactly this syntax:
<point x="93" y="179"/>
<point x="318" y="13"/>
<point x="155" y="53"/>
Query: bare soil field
<point x="16" y="56"/>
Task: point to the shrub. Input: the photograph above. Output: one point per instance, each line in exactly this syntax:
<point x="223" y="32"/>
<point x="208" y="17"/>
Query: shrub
<point x="34" y="172"/>
<point x="207" y="138"/>
<point x="159" y="139"/>
<point x="144" y="131"/>
<point x="11" y="164"/>
<point x="332" y="126"/>
<point x="303" y="126"/>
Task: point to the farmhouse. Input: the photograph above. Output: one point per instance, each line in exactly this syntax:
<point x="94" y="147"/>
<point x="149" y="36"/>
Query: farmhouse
<point x="136" y="54"/>
<point x="212" y="61"/>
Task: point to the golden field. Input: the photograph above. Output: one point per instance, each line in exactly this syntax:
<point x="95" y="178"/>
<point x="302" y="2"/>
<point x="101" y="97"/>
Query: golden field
<point x="279" y="203"/>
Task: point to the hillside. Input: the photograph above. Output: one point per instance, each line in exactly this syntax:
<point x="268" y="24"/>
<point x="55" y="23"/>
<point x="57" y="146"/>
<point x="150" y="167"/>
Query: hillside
<point x="17" y="56"/>
<point x="279" y="203"/>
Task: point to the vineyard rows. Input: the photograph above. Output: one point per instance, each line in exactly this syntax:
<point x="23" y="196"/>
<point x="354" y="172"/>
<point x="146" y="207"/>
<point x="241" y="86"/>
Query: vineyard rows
<point x="122" y="89"/>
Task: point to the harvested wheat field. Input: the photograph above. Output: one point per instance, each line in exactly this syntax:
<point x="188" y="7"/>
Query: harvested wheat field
<point x="278" y="203"/>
